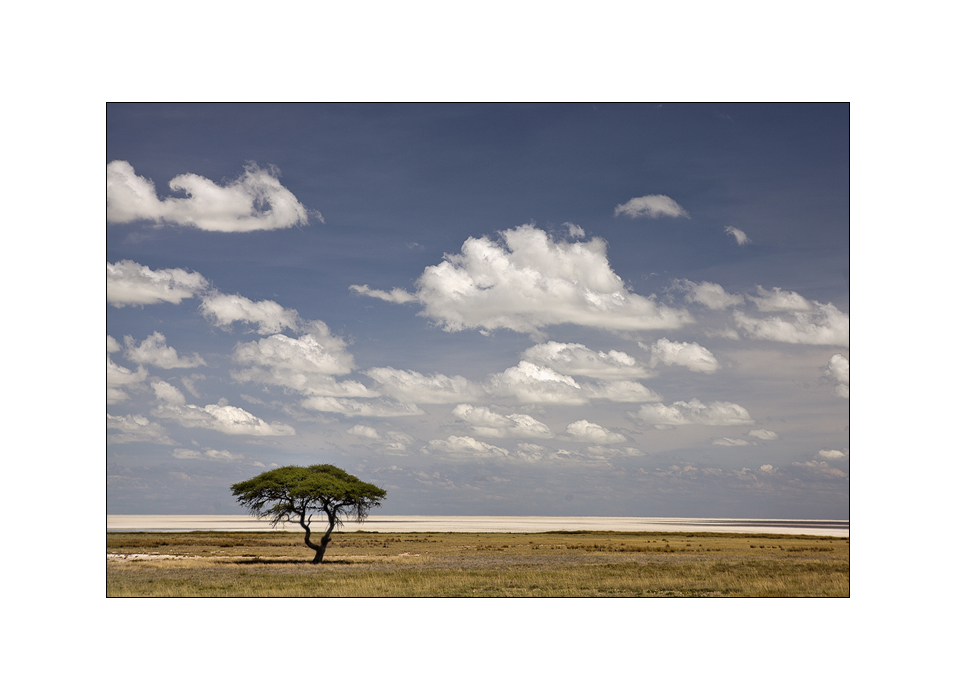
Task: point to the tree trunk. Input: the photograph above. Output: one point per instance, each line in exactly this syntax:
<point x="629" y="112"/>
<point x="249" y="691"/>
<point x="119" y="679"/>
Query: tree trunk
<point x="319" y="549"/>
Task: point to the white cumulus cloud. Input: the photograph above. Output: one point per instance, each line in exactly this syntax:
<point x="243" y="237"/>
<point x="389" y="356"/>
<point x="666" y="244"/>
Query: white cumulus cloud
<point x="414" y="387"/>
<point x="117" y="377"/>
<point x="729" y="442"/>
<point x="135" y="428"/>
<point x="216" y="455"/>
<point x="652" y="206"/>
<point x="254" y="201"/>
<point x="709" y="294"/>
<point x="271" y="317"/>
<point x="306" y="364"/>
<point x="804" y="321"/>
<point x="393" y="442"/>
<point x="832" y="455"/>
<point x="230" y="420"/>
<point x="464" y="446"/>
<point x="397" y="296"/>
<point x="131" y="284"/>
<point x="579" y="360"/>
<point x="780" y="300"/>
<point x="694" y="412"/>
<point x="221" y="417"/>
<point x="838" y="369"/>
<point x="763" y="434"/>
<point x="621" y="391"/>
<point x="574" y="230"/>
<point x="530" y="383"/>
<point x="738" y="235"/>
<point x="369" y="408"/>
<point x="365" y="431"/>
<point x="585" y="431"/>
<point x="168" y="394"/>
<point x="690" y="355"/>
<point x="154" y="351"/>
<point x="527" y="281"/>
<point x="488" y="423"/>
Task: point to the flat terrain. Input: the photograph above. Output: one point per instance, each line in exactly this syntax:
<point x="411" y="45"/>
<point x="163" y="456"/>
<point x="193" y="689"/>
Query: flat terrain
<point x="552" y="564"/>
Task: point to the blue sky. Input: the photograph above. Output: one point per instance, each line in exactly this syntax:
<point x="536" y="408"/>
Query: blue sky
<point x="631" y="310"/>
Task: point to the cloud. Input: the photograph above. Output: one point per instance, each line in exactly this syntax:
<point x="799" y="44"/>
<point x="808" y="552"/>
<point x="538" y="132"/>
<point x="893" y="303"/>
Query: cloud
<point x="738" y="235"/>
<point x="816" y="469"/>
<point x="373" y="408"/>
<point x="826" y="326"/>
<point x="763" y="434"/>
<point x="488" y="423"/>
<point x="168" y="394"/>
<point x="216" y="455"/>
<point x="255" y="201"/>
<point x="224" y="309"/>
<point x="621" y="392"/>
<point x="583" y="431"/>
<point x="118" y="376"/>
<point x="832" y="455"/>
<point x="576" y="359"/>
<point x="779" y="300"/>
<point x="414" y="387"/>
<point x="530" y="453"/>
<point x="457" y="445"/>
<point x="396" y="296"/>
<point x="694" y="412"/>
<point x="230" y="420"/>
<point x="604" y="452"/>
<point x="767" y="468"/>
<point x="135" y="428"/>
<point x="154" y="351"/>
<point x="114" y="396"/>
<point x="691" y="355"/>
<point x="395" y="441"/>
<point x="708" y="294"/>
<point x="574" y="230"/>
<point x="112" y="345"/>
<point x="527" y="281"/>
<point x="306" y="364"/>
<point x="532" y="384"/>
<point x="839" y="369"/>
<point x="365" y="431"/>
<point x="808" y="322"/>
<point x="652" y="206"/>
<point x="220" y="417"/>
<point x="129" y="283"/>
<point x="729" y="442"/>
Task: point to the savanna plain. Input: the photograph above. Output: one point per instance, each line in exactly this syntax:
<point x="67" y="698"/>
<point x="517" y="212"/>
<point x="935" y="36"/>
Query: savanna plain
<point x="549" y="564"/>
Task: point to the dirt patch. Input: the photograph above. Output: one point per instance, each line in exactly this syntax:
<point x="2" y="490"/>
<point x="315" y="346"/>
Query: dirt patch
<point x="147" y="556"/>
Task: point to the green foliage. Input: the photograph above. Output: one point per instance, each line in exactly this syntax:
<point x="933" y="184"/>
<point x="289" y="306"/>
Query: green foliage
<point x="292" y="492"/>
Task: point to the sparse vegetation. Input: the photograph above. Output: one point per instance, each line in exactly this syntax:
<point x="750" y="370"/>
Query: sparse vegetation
<point x="554" y="564"/>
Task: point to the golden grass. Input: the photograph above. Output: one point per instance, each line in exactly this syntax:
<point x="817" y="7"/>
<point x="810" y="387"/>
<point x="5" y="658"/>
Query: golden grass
<point x="364" y="564"/>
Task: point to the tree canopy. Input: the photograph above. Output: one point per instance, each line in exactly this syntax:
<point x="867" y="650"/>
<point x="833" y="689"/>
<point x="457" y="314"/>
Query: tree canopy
<point x="297" y="493"/>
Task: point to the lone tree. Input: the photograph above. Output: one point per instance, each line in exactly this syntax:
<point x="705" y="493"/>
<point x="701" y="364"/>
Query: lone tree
<point x="297" y="493"/>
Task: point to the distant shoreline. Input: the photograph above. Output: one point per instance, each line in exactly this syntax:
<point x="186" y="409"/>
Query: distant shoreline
<point x="429" y="523"/>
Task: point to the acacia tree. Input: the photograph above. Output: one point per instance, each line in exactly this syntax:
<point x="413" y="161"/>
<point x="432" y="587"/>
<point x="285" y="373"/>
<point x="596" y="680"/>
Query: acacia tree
<point x="297" y="493"/>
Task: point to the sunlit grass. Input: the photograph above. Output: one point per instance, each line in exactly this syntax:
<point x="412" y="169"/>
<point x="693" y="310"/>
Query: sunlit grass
<point x="585" y="564"/>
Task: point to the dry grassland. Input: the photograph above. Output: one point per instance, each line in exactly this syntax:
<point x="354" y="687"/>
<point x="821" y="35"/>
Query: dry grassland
<point x="579" y="564"/>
